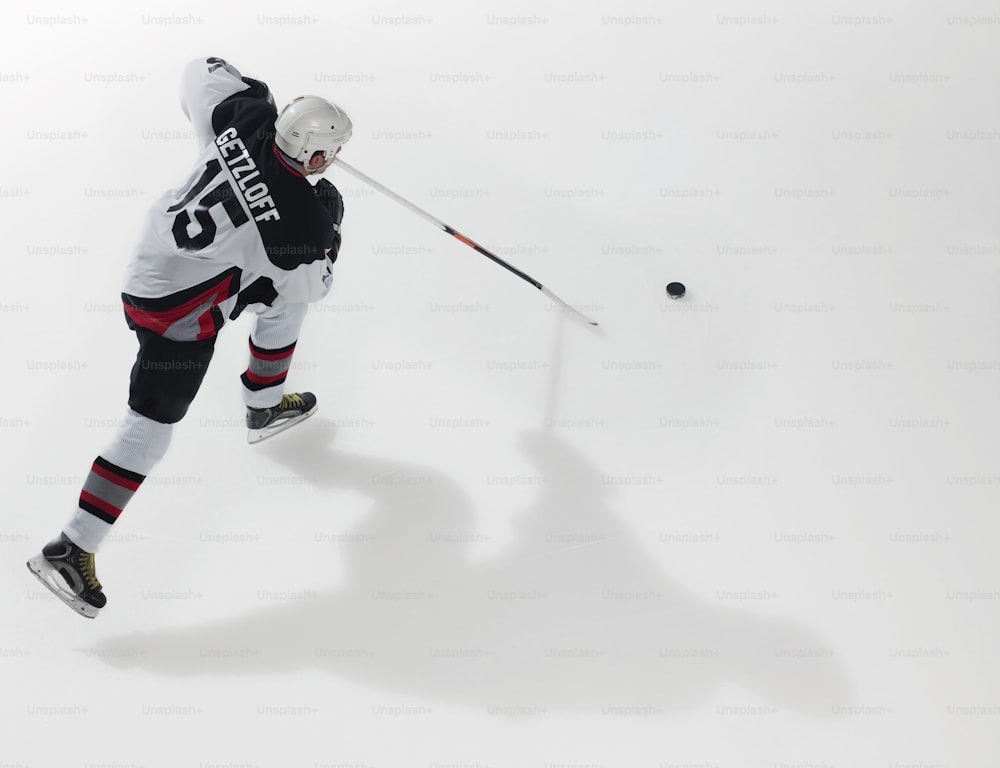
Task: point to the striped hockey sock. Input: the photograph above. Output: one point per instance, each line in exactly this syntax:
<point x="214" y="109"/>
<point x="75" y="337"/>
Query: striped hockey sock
<point x="107" y="489"/>
<point x="267" y="368"/>
<point x="115" y="476"/>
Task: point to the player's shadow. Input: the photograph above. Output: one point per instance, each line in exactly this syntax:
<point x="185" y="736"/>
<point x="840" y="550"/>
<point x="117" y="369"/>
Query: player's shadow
<point x="572" y="615"/>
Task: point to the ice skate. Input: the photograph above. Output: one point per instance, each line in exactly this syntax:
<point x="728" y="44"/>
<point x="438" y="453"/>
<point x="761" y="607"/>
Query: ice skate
<point x="262" y="423"/>
<point x="69" y="573"/>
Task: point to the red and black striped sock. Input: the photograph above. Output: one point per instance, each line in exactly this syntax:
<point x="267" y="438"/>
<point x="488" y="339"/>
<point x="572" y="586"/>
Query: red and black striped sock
<point x="268" y="367"/>
<point x="107" y="489"/>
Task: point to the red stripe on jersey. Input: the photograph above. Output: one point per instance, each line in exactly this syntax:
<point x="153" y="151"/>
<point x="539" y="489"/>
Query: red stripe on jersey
<point x="159" y="321"/>
<point x="101" y="504"/>
<point x="254" y="378"/>
<point x="258" y="355"/>
<point x="112" y="477"/>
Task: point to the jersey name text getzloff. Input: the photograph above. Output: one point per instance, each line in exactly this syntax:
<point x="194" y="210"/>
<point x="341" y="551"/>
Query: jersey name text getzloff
<point x="233" y="150"/>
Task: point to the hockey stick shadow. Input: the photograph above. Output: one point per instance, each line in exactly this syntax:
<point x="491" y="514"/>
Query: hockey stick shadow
<point x="573" y="615"/>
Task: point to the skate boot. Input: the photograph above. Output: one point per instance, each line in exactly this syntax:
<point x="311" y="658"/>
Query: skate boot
<point x="69" y="572"/>
<point x="262" y="423"/>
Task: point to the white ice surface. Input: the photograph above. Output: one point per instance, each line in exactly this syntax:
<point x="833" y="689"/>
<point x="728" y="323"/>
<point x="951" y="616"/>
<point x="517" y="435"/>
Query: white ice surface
<point x="753" y="528"/>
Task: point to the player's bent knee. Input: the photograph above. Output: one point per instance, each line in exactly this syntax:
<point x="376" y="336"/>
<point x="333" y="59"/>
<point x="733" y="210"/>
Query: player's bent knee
<point x="140" y="443"/>
<point x="161" y="407"/>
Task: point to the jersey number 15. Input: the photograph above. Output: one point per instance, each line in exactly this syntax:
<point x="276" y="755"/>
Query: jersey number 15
<point x="221" y="194"/>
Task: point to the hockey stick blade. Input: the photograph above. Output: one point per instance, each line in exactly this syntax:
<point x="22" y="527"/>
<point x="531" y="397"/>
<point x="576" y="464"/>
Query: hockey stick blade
<point x="575" y="312"/>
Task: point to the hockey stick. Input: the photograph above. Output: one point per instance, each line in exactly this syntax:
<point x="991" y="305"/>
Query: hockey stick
<point x="459" y="236"/>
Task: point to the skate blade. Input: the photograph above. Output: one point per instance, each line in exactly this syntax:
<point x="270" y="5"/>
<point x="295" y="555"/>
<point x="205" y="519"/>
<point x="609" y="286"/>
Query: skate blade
<point x="51" y="578"/>
<point x="257" y="435"/>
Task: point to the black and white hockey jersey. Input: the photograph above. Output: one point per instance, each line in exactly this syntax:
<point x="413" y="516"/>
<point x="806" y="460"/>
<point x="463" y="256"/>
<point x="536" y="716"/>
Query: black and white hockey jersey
<point x="245" y="228"/>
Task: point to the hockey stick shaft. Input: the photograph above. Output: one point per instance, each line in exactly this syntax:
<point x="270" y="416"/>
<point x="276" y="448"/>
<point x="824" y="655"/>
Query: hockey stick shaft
<point x="458" y="236"/>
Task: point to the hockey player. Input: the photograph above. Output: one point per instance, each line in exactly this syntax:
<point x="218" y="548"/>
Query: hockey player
<point x="245" y="231"/>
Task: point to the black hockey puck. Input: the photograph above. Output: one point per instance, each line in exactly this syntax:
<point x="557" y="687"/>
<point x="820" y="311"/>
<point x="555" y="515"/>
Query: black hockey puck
<point x="675" y="290"/>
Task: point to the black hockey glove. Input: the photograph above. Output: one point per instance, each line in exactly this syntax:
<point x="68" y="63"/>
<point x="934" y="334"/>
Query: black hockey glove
<point x="331" y="199"/>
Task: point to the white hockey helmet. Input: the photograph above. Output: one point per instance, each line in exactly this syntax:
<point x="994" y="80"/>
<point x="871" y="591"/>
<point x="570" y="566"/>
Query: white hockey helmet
<point x="310" y="124"/>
